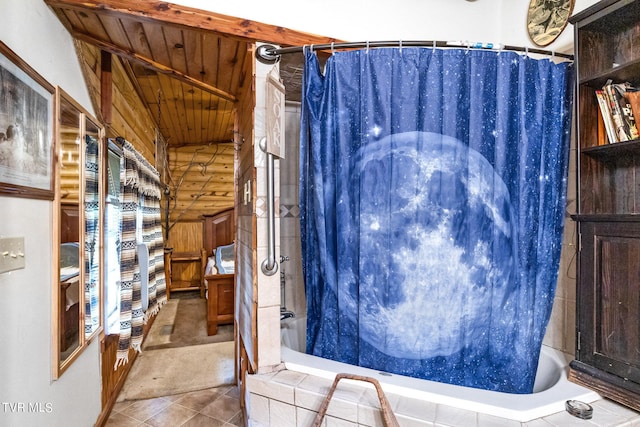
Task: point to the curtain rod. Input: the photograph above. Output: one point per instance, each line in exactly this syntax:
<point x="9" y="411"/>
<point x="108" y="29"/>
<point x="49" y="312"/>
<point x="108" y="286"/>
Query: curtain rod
<point x="269" y="54"/>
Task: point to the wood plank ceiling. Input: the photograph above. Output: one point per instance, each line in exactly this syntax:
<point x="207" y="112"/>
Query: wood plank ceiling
<point x="188" y="67"/>
<point x="187" y="77"/>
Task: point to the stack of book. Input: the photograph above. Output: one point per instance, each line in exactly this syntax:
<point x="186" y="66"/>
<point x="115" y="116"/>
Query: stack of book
<point x="620" y="107"/>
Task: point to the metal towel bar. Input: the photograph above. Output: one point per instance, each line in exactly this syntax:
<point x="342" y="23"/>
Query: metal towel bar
<point x="387" y="414"/>
<point x="269" y="266"/>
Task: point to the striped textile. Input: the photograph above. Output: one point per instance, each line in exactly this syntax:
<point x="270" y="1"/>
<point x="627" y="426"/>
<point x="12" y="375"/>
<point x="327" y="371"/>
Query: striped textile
<point x="140" y="192"/>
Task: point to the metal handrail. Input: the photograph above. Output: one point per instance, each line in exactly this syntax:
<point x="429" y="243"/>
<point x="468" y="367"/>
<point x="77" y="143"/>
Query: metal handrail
<point x="269" y="266"/>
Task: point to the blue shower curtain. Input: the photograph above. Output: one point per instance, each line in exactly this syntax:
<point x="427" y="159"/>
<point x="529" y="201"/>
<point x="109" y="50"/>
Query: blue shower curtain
<point x="433" y="186"/>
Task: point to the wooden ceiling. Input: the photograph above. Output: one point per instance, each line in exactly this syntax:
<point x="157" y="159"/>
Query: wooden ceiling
<point x="188" y="78"/>
<point x="186" y="64"/>
<point x="190" y="69"/>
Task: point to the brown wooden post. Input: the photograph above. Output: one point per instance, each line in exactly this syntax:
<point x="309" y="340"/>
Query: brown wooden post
<point x="106" y="89"/>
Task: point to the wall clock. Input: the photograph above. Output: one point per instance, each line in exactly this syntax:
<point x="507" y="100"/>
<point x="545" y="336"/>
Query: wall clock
<point x="547" y="18"/>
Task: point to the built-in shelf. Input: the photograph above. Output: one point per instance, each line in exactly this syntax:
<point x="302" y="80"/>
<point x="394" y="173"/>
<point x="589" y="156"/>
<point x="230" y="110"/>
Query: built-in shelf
<point x="627" y="72"/>
<point x="614" y="151"/>
<point x="187" y="277"/>
<point x="608" y="218"/>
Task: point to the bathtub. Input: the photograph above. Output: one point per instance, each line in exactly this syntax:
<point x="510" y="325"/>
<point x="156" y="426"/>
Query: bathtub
<point x="551" y="390"/>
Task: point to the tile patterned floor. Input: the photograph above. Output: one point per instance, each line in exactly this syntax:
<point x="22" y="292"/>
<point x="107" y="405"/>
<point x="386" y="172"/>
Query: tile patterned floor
<point x="214" y="407"/>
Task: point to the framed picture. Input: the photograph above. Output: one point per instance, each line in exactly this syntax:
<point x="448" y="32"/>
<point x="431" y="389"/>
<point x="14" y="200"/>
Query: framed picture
<point x="546" y="19"/>
<point x="26" y="129"/>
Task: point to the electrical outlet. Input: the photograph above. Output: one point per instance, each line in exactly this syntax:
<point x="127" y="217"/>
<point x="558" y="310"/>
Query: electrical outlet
<point x="11" y="253"/>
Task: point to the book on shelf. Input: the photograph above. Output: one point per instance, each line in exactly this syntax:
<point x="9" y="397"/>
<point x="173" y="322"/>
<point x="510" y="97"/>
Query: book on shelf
<point x="633" y="98"/>
<point x="620" y="114"/>
<point x="605" y="113"/>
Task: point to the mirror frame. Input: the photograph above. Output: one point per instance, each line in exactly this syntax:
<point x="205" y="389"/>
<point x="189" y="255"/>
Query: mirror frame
<point x="59" y="365"/>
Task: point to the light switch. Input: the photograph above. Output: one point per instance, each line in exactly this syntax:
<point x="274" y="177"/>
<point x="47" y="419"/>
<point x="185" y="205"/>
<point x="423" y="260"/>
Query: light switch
<point x="11" y="253"/>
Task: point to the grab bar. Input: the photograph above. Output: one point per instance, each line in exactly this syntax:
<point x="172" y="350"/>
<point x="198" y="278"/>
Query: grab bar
<point x="388" y="416"/>
<point x="269" y="266"/>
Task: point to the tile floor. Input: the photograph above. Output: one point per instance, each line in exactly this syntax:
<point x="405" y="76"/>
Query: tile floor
<point x="214" y="407"/>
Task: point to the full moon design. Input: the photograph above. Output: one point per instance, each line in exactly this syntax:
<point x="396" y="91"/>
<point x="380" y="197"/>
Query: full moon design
<point x="437" y="225"/>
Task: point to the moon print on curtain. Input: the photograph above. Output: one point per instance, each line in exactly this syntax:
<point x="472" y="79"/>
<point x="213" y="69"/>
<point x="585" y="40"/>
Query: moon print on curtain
<point x="432" y="199"/>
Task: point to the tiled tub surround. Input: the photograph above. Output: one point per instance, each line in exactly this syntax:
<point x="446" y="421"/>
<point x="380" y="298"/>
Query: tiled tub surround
<point x="293" y="395"/>
<point x="288" y="398"/>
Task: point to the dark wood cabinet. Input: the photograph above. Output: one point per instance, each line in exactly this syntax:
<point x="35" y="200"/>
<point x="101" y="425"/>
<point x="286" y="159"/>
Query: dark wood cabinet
<point x="607" y="46"/>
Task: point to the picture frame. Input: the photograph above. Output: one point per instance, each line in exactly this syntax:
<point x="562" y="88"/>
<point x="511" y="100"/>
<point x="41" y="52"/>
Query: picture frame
<point x="546" y="19"/>
<point x="26" y="129"/>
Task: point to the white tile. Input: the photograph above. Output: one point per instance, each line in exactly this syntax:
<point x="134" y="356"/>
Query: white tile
<point x="282" y="414"/>
<point x="305" y="417"/>
<point x="344" y="402"/>
<point x="536" y="423"/>
<point x="289" y="377"/>
<point x="259" y="384"/>
<point x="608" y="411"/>
<point x="311" y="391"/>
<point x="288" y="192"/>
<point x="272" y="389"/>
<point x="485" y="420"/>
<point x="369" y="407"/>
<point x="450" y="416"/>
<point x="555" y="330"/>
<point x="406" y="421"/>
<point x="268" y="336"/>
<point x="260" y="125"/>
<point x="337" y="422"/>
<point x="268" y="288"/>
<point x="564" y="419"/>
<point x="569" y="344"/>
<point x="259" y="409"/>
<point x="415" y="409"/>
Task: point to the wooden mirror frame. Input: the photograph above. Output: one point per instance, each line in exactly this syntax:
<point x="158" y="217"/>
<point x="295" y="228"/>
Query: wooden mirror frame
<point x="62" y="356"/>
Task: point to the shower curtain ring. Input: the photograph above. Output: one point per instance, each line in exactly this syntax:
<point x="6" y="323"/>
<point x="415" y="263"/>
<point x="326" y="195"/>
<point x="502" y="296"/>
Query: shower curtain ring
<point x="332" y="50"/>
<point x="400" y="44"/>
<point x="434" y="44"/>
<point x="311" y="48"/>
<point x="367" y="48"/>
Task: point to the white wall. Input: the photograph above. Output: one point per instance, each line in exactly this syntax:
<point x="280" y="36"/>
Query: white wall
<point x="497" y="21"/>
<point x="360" y="20"/>
<point x="32" y="31"/>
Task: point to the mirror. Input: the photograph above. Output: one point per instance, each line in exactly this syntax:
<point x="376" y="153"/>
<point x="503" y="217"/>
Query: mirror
<point x="69" y="191"/>
<point x="77" y="287"/>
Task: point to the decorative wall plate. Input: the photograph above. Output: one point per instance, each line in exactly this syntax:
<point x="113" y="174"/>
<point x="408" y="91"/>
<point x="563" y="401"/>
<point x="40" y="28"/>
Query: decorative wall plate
<point x="547" y="18"/>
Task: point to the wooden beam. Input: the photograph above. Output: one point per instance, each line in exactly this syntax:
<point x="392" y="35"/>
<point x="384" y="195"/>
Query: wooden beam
<point x="153" y="64"/>
<point x="106" y="87"/>
<point x="160" y="11"/>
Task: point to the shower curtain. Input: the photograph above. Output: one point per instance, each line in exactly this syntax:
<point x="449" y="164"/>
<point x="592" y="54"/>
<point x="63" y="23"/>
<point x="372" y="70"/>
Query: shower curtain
<point x="433" y="186"/>
<point x="140" y="192"/>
